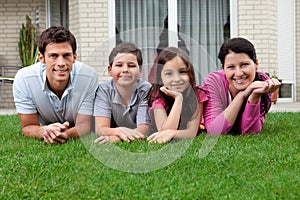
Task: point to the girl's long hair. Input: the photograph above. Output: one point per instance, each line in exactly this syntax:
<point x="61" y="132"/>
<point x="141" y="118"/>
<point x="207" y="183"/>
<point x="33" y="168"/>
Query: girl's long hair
<point x="190" y="108"/>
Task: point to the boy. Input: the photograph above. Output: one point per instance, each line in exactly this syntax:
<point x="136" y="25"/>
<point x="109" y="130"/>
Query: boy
<point x="121" y="108"/>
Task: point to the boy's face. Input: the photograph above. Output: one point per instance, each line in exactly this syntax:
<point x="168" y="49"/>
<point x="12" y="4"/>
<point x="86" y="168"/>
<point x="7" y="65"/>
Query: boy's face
<point x="125" y="69"/>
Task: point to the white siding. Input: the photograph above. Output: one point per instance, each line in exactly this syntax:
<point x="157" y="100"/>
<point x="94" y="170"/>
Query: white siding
<point x="286" y="41"/>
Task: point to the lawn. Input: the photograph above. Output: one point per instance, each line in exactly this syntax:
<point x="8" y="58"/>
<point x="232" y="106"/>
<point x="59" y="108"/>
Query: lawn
<point x="264" y="166"/>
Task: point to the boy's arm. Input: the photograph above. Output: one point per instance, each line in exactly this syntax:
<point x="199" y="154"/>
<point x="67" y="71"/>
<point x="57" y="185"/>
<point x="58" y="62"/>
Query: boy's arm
<point x="143" y="129"/>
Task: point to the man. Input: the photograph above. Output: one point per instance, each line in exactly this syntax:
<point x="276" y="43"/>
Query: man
<point x="54" y="98"/>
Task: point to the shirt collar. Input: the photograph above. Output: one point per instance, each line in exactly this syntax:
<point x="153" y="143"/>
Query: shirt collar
<point x="118" y="100"/>
<point x="45" y="85"/>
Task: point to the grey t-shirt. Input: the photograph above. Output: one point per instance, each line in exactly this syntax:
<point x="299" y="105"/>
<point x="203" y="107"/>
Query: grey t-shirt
<point x="109" y="104"/>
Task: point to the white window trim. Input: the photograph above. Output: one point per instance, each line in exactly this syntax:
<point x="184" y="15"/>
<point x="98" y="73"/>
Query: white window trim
<point x="293" y="80"/>
<point x="111" y="24"/>
<point x="172" y="20"/>
<point x="47" y="13"/>
<point x="233" y="18"/>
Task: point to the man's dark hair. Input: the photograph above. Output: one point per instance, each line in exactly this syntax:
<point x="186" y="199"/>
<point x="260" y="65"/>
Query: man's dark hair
<point x="56" y="34"/>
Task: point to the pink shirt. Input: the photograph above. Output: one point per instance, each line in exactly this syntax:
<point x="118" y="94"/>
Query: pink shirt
<point x="161" y="103"/>
<point x="250" y="119"/>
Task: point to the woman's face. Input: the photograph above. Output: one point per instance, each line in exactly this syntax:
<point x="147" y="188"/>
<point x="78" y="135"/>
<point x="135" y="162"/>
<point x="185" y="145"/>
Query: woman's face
<point x="174" y="75"/>
<point x="240" y="70"/>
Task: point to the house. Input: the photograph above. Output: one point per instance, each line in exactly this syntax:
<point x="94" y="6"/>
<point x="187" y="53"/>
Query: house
<point x="272" y="25"/>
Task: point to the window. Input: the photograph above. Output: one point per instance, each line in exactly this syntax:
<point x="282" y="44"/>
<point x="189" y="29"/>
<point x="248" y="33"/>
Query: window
<point x="197" y="26"/>
<point x="58" y="13"/>
<point x="286" y="50"/>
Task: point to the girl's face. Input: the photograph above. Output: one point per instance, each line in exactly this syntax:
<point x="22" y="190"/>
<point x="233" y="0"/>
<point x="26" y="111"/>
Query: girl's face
<point x="174" y="75"/>
<point x="240" y="70"/>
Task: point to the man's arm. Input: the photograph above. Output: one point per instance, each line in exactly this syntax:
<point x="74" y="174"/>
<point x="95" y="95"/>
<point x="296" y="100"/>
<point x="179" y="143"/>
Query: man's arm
<point x="82" y="126"/>
<point x="30" y="125"/>
<point x="52" y="133"/>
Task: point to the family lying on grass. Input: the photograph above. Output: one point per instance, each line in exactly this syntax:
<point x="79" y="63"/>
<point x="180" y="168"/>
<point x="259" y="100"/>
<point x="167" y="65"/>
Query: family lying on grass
<point x="57" y="98"/>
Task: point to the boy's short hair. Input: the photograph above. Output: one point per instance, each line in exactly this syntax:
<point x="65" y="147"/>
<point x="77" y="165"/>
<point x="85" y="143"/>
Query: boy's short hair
<point x="126" y="47"/>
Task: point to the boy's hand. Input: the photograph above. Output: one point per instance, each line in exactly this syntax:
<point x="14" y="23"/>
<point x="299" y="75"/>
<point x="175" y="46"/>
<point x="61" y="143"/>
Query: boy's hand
<point x="127" y="134"/>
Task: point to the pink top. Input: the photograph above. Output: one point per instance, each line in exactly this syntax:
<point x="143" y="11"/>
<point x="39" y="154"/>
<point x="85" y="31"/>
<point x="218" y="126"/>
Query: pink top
<point x="161" y="103"/>
<point x="251" y="116"/>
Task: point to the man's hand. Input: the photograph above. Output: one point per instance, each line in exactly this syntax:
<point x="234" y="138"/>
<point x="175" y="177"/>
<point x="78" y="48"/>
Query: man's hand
<point x="56" y="133"/>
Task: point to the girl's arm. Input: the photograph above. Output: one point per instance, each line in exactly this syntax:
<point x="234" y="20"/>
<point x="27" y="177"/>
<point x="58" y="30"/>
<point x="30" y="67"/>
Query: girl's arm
<point x="166" y="135"/>
<point x="192" y="126"/>
<point x="171" y="121"/>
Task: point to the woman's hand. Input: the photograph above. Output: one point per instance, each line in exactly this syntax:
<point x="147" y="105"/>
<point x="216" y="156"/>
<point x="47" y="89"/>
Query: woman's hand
<point x="262" y="87"/>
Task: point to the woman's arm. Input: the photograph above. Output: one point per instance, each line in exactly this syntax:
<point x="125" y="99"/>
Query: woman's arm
<point x="252" y="118"/>
<point x="214" y="117"/>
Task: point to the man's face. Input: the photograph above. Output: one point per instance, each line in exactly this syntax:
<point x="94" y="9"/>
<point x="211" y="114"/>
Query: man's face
<point x="59" y="59"/>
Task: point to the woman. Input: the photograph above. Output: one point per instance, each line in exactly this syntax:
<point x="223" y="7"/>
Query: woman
<point x="239" y="95"/>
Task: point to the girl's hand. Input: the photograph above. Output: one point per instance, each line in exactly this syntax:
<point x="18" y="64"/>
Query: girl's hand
<point x="162" y="136"/>
<point x="170" y="93"/>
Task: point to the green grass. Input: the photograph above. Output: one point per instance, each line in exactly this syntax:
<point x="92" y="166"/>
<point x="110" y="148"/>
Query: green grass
<point x="264" y="166"/>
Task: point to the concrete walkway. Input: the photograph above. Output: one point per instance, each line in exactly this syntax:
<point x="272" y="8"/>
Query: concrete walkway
<point x="285" y="107"/>
<point x="278" y="107"/>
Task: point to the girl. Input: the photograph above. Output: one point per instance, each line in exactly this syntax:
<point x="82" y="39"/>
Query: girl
<point x="176" y="103"/>
<point x="238" y="95"/>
